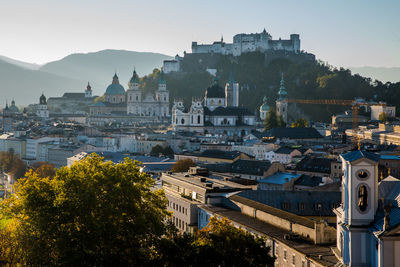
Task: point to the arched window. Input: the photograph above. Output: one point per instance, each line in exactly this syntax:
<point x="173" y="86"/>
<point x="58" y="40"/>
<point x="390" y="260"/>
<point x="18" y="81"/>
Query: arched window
<point x="165" y="98"/>
<point x="130" y="97"/>
<point x="198" y="119"/>
<point x="183" y="121"/>
<point x="113" y="99"/>
<point x="363" y="198"/>
<point x="137" y="98"/>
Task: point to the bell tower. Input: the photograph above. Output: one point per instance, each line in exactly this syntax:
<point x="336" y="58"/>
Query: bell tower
<point x="281" y="102"/>
<point x="358" y="208"/>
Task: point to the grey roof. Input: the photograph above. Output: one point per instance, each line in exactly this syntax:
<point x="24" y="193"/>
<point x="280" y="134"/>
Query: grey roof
<point x="284" y="150"/>
<point x="303" y="203"/>
<point x="228" y="111"/>
<point x="221" y="154"/>
<point x="73" y="95"/>
<point x="358" y="154"/>
<point x="254" y="167"/>
<point x="293" y="133"/>
<point x="314" y="164"/>
<point x="306" y="180"/>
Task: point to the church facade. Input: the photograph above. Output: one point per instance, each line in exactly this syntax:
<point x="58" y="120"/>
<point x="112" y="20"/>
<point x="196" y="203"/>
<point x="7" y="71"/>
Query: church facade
<point x="217" y="113"/>
<point x="132" y="102"/>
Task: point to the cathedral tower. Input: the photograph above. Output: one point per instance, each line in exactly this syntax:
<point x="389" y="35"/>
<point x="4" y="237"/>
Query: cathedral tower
<point x="134" y="95"/>
<point x="42" y="110"/>
<point x="231" y="92"/>
<point x="162" y="96"/>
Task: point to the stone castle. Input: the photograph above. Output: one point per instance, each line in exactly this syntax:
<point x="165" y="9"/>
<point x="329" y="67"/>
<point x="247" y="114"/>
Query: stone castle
<point x="243" y="43"/>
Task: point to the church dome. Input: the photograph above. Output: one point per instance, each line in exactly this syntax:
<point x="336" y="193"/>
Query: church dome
<point x="264" y="106"/>
<point x="115" y="88"/>
<point x="13" y="108"/>
<point x="215" y="91"/>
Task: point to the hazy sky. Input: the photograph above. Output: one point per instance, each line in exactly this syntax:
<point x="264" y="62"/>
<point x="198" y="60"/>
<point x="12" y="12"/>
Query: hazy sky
<point x="342" y="32"/>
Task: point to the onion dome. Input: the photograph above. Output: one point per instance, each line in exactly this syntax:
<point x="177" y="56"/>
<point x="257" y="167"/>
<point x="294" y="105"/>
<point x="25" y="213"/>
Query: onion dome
<point x="134" y="79"/>
<point x="264" y="106"/>
<point x="215" y="91"/>
<point x="115" y="88"/>
<point x="282" y="94"/>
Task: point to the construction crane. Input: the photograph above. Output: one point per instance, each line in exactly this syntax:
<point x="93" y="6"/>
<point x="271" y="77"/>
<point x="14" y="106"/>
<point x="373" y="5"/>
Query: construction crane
<point x="342" y="102"/>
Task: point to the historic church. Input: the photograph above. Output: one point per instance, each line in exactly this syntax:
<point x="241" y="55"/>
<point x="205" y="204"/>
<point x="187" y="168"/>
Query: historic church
<point x="368" y="220"/>
<point x="217" y="113"/>
<point x="132" y="102"/>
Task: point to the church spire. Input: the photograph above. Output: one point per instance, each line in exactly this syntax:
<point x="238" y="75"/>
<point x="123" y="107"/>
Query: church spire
<point x="115" y="79"/>
<point x="282" y="94"/>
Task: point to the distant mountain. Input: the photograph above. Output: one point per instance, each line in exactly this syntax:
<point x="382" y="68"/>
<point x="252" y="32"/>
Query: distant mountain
<point x="25" y="85"/>
<point x="25" y="82"/>
<point x="99" y="67"/>
<point x="378" y="73"/>
<point x="23" y="64"/>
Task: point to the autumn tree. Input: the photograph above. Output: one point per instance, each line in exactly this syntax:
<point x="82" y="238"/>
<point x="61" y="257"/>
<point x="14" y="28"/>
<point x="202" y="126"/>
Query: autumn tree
<point x="383" y="117"/>
<point x="271" y="120"/>
<point x="92" y="213"/>
<point x="218" y="244"/>
<point x="300" y="123"/>
<point x="183" y="165"/>
<point x="44" y="169"/>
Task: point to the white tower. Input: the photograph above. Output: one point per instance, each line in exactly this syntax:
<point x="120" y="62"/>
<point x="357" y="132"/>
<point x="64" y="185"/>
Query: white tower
<point x="42" y="110"/>
<point x="134" y="96"/>
<point x="231" y="92"/>
<point x="162" y="96"/>
<point x="359" y="205"/>
<point x="281" y="102"/>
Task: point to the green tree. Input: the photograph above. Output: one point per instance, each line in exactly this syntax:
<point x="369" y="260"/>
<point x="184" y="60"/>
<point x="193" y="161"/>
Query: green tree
<point x="157" y="150"/>
<point x="300" y="123"/>
<point x="281" y="123"/>
<point x="271" y="120"/>
<point x="219" y="244"/>
<point x="92" y="213"/>
<point x="44" y="169"/>
<point x="383" y="117"/>
<point x="183" y="165"/>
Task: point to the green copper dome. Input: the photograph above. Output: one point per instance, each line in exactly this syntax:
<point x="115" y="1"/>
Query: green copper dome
<point x="134" y="79"/>
<point x="115" y="88"/>
<point x="264" y="106"/>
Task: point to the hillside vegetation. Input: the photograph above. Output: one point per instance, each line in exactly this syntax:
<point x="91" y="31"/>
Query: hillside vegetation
<point x="303" y="80"/>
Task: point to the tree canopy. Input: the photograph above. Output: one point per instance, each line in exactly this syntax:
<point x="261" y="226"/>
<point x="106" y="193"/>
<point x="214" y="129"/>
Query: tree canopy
<point x="93" y="213"/>
<point x="218" y="244"/>
<point x="183" y="165"/>
<point x="300" y="123"/>
<point x="98" y="213"/>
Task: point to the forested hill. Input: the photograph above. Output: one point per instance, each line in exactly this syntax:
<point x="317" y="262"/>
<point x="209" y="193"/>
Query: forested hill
<point x="304" y="79"/>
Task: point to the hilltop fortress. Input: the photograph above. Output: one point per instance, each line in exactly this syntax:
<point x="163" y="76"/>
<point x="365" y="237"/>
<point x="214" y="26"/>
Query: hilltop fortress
<point x="243" y="43"/>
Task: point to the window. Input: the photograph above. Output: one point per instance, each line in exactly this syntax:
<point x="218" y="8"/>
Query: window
<point x="285" y="205"/>
<point x="363" y="198"/>
<point x="301" y="206"/>
<point x="276" y="250"/>
<point x="285" y="254"/>
<point x="362" y="174"/>
<point x="294" y="259"/>
<point x="318" y="206"/>
<point x="198" y="119"/>
<point x="183" y="121"/>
